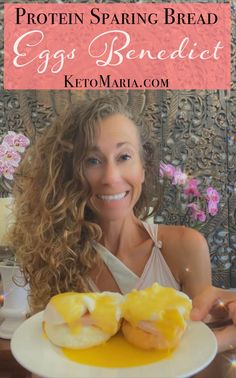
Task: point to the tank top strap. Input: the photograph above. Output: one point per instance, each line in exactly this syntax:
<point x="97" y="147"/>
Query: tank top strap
<point x="152" y="229"/>
<point x="124" y="277"/>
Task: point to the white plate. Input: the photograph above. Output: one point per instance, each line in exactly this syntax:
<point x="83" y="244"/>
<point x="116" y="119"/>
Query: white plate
<point x="34" y="352"/>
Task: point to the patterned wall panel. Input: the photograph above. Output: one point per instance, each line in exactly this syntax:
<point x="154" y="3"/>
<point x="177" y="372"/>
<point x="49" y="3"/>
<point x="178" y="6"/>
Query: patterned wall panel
<point x="196" y="130"/>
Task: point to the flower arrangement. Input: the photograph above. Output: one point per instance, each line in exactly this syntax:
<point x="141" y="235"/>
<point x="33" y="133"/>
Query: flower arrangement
<point x="12" y="147"/>
<point x="198" y="205"/>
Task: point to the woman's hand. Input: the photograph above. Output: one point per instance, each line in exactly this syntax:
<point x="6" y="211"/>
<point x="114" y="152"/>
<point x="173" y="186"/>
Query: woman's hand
<point x="218" y="304"/>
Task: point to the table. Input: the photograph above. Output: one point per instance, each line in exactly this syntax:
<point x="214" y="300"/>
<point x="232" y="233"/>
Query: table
<point x="9" y="367"/>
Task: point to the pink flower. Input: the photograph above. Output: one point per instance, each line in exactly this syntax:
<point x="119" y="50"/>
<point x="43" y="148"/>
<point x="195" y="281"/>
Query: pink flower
<point x="212" y="195"/>
<point x="193" y="206"/>
<point x="9" y="155"/>
<point x="187" y="190"/>
<point x="167" y="170"/>
<point x="200" y="216"/>
<point x="212" y="207"/>
<point x="17" y="141"/>
<point x="197" y="214"/>
<point x="6" y="170"/>
<point x="191" y="188"/>
<point x="179" y="178"/>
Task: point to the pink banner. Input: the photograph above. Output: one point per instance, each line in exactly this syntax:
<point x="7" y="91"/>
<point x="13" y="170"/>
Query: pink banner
<point x="117" y="46"/>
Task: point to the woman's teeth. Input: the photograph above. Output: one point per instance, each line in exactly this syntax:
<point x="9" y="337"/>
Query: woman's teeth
<point x="114" y="197"/>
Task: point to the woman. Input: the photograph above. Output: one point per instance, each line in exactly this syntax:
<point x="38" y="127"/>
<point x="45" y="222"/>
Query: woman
<point x="82" y="195"/>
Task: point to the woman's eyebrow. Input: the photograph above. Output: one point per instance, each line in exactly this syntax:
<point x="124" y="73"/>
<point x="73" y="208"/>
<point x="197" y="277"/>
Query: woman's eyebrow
<point x="94" y="149"/>
<point x="118" y="145"/>
<point x="121" y="144"/>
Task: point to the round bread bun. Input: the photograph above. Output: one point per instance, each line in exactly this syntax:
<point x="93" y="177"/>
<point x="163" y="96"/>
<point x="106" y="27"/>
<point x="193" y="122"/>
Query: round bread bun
<point x="155" y="317"/>
<point x="87" y="337"/>
<point x="146" y="340"/>
<point x="82" y="320"/>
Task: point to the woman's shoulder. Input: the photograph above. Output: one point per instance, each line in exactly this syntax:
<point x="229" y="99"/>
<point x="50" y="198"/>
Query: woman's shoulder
<point x="182" y="241"/>
<point x="180" y="234"/>
<point x="186" y="251"/>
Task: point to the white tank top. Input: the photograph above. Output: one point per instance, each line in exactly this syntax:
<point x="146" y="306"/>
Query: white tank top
<point x="155" y="270"/>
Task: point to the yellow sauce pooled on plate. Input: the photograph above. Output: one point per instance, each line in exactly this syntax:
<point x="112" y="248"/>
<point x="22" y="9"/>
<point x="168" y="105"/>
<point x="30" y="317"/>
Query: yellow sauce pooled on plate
<point x="115" y="353"/>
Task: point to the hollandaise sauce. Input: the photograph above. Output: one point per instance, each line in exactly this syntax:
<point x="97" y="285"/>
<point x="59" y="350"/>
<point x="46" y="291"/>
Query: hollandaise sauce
<point x="115" y="353"/>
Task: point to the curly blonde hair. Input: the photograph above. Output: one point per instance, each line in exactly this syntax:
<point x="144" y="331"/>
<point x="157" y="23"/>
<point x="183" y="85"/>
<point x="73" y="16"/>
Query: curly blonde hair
<point x="54" y="229"/>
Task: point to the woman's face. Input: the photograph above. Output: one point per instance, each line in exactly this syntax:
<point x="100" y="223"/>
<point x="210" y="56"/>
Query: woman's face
<point x="114" y="170"/>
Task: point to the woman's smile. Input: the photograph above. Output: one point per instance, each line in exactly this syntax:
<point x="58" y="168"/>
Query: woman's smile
<point x="113" y="197"/>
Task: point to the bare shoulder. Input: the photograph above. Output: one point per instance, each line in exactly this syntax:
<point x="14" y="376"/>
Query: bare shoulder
<point x="186" y="251"/>
<point x="182" y="237"/>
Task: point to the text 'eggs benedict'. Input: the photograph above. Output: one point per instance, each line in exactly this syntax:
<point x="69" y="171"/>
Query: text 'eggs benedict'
<point x="155" y="317"/>
<point x="82" y="320"/>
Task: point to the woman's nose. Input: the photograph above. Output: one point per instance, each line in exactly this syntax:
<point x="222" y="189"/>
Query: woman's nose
<point x="111" y="174"/>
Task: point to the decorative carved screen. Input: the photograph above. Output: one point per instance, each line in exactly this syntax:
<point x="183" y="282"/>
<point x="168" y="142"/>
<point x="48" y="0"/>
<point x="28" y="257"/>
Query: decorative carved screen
<point x="196" y="130"/>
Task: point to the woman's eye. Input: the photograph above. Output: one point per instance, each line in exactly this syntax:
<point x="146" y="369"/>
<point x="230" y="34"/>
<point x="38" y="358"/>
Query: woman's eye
<point x="125" y="157"/>
<point x="92" y="161"/>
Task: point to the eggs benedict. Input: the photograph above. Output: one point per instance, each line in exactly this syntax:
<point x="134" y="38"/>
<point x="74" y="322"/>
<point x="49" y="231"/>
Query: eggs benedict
<point x="82" y="320"/>
<point x="155" y="317"/>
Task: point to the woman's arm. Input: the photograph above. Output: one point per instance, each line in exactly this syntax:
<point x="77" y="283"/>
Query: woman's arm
<point x="195" y="267"/>
<point x="187" y="254"/>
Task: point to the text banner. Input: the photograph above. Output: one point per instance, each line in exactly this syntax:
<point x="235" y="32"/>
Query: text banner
<point x="117" y="46"/>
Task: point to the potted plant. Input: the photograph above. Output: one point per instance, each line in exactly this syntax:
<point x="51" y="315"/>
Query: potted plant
<point x="13" y="297"/>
